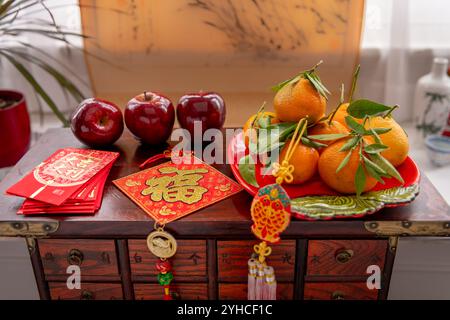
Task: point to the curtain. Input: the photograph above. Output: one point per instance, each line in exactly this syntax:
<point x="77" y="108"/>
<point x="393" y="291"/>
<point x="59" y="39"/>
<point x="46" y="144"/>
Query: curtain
<point x="237" y="48"/>
<point x="400" y="40"/>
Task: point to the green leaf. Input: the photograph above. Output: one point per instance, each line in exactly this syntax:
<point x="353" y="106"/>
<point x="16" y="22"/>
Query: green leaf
<point x="5" y="6"/>
<point x="344" y="162"/>
<point x="274" y="136"/>
<point x="37" y="87"/>
<point x="360" y="180"/>
<point x="311" y="76"/>
<point x="317" y="84"/>
<point x="264" y="122"/>
<point x="361" y="108"/>
<point x="387" y="166"/>
<point x="284" y="129"/>
<point x="373" y="173"/>
<point x="328" y="137"/>
<point x="291" y="81"/>
<point x="350" y="144"/>
<point x="374" y="166"/>
<point x="65" y="83"/>
<point x="313" y="144"/>
<point x="355" y="126"/>
<point x="376" y="136"/>
<point x="247" y="169"/>
<point x="270" y="147"/>
<point x="380" y="130"/>
<point x="375" y="148"/>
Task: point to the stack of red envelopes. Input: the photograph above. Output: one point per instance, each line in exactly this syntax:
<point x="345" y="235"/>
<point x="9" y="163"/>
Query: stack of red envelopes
<point x="71" y="181"/>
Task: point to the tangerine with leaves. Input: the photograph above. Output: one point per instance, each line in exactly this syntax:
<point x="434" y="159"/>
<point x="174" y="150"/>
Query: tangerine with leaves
<point x="303" y="96"/>
<point x="341" y="114"/>
<point x="254" y="123"/>
<point x="396" y="139"/>
<point x="304" y="159"/>
<point x="327" y="128"/>
<point x="342" y="180"/>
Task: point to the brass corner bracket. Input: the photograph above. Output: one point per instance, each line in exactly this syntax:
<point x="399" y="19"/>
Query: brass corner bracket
<point x="409" y="228"/>
<point x="29" y="230"/>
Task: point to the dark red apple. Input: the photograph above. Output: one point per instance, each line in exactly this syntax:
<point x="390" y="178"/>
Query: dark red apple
<point x="206" y="107"/>
<point x="97" y="122"/>
<point x="150" y="117"/>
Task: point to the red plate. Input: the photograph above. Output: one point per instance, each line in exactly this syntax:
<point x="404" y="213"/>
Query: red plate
<point x="316" y="190"/>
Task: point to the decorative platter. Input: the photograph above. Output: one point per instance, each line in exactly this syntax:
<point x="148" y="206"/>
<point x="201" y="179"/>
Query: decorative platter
<point x="314" y="200"/>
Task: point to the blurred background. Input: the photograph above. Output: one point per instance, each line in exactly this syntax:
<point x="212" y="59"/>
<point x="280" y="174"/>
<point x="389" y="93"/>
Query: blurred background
<point x="59" y="52"/>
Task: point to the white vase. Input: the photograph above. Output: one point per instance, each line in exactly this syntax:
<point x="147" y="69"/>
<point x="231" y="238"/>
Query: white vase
<point x="432" y="100"/>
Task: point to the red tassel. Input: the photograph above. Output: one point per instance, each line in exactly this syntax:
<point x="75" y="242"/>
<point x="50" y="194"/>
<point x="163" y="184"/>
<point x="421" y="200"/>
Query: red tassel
<point x="146" y="163"/>
<point x="167" y="295"/>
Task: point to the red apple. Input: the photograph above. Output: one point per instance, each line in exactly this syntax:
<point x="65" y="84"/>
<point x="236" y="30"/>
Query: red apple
<point x="205" y="107"/>
<point x="150" y="117"/>
<point x="97" y="122"/>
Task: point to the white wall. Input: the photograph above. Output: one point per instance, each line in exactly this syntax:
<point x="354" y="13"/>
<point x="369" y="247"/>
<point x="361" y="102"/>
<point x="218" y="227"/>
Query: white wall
<point x="16" y="273"/>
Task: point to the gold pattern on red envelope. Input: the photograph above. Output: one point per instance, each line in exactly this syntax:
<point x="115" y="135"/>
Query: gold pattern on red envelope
<point x="56" y="179"/>
<point x="171" y="191"/>
<point x="69" y="167"/>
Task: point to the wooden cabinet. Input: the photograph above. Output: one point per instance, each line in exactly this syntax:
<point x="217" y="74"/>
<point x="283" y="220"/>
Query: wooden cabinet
<point x="311" y="269"/>
<point x="194" y="270"/>
<point x="314" y="260"/>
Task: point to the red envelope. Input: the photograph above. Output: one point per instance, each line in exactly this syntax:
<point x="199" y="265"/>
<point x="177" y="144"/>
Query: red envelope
<point x="87" y="201"/>
<point x="66" y="173"/>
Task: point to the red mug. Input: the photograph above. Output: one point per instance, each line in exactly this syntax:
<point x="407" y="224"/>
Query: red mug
<point x="15" y="132"/>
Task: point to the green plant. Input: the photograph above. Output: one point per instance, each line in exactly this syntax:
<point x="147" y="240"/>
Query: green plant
<point x="14" y="23"/>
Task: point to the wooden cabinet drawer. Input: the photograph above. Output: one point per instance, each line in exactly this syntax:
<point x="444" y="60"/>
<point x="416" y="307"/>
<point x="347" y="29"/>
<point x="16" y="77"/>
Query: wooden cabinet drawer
<point x="238" y="291"/>
<point x="344" y="257"/>
<point x="233" y="258"/>
<point x="190" y="259"/>
<point x="95" y="257"/>
<point x="183" y="291"/>
<point x="339" y="291"/>
<point x="88" y="291"/>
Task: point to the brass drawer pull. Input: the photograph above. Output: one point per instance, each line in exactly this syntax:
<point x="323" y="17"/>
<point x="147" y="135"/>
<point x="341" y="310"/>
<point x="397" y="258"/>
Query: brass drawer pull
<point x="338" y="295"/>
<point x="75" y="257"/>
<point x="87" y="295"/>
<point x="344" y="256"/>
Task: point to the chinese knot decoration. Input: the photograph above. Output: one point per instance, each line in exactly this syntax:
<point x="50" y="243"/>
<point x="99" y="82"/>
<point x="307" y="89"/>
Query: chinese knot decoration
<point x="271" y="215"/>
<point x="164" y="246"/>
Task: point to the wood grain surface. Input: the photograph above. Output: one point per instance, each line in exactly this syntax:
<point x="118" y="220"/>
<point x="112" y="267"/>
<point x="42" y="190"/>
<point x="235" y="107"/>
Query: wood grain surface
<point x="98" y="256"/>
<point x="190" y="259"/>
<point x="323" y="256"/>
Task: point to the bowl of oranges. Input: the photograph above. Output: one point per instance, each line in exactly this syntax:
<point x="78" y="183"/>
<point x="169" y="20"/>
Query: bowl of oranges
<point x="348" y="163"/>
